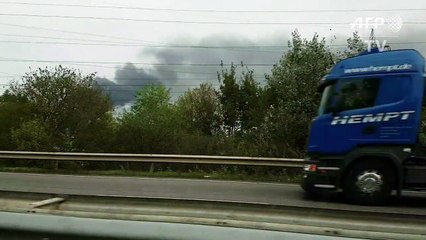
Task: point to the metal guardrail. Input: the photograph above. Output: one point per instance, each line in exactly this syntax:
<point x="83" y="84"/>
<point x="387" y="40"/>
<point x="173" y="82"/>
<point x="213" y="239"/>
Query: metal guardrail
<point x="152" y="158"/>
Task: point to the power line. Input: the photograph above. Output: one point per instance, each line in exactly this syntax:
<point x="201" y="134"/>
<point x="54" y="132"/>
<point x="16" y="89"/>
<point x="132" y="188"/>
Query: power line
<point x="236" y="48"/>
<point x="159" y="79"/>
<point x="61" y="38"/>
<point x="139" y="89"/>
<point x="149" y="79"/>
<point x="112" y="79"/>
<point x="211" y="10"/>
<point x="137" y="85"/>
<point x="178" y="21"/>
<point x="251" y="48"/>
<point x="121" y="38"/>
<point x="127" y="43"/>
<point x="134" y="90"/>
<point x="142" y="85"/>
<point x="138" y="45"/>
<point x="134" y="63"/>
<point x="75" y="32"/>
<point x="169" y="71"/>
<point x="135" y="41"/>
<point x="133" y="98"/>
<point x="109" y="43"/>
<point x="162" y="45"/>
<point x="75" y="43"/>
<point x="148" y="70"/>
<point x="12" y="74"/>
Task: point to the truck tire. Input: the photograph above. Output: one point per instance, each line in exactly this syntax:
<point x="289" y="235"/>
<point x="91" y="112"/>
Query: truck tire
<point x="369" y="183"/>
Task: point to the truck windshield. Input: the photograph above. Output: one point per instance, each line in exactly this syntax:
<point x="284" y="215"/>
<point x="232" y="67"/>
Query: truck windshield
<point x="326" y="99"/>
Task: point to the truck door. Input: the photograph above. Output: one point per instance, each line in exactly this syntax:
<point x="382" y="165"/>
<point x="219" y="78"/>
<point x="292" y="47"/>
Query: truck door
<point x="374" y="110"/>
<point x="356" y="101"/>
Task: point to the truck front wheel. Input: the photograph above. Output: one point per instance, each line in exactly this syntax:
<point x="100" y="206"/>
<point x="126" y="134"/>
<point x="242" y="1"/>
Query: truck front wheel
<point x="369" y="183"/>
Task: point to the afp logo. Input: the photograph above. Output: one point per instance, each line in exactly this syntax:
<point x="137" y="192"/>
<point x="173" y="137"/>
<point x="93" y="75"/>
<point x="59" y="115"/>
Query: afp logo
<point x="370" y="118"/>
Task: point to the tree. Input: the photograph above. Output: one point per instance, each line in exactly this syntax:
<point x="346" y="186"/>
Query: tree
<point x="242" y="101"/>
<point x="32" y="136"/>
<point x="13" y="111"/>
<point x="152" y="125"/>
<point x="229" y="98"/>
<point x="251" y="102"/>
<point x="200" y="109"/>
<point x="293" y="98"/>
<point x="152" y="97"/>
<point x="355" y="45"/>
<point x="68" y="104"/>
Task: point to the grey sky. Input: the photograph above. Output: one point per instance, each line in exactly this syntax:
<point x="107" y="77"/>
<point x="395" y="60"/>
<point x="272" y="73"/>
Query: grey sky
<point x="135" y="32"/>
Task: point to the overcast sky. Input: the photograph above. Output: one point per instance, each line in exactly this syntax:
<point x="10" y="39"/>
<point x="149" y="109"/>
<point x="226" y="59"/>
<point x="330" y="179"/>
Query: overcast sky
<point x="101" y="39"/>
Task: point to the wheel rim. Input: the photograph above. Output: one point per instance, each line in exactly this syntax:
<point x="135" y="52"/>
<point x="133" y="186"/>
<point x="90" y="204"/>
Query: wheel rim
<point x="369" y="182"/>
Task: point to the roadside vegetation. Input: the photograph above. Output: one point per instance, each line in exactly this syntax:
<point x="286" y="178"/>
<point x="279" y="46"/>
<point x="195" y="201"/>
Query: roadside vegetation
<point x="60" y="109"/>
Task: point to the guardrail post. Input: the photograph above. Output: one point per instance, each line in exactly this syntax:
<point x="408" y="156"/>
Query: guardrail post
<point x="151" y="168"/>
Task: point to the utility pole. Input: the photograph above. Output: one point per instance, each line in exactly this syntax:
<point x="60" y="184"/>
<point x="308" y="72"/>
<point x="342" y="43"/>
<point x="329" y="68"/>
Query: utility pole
<point x="372" y="39"/>
<point x="373" y="42"/>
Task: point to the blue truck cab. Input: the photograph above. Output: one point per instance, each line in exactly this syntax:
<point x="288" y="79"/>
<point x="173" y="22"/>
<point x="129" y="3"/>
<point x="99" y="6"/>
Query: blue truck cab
<point x="364" y="139"/>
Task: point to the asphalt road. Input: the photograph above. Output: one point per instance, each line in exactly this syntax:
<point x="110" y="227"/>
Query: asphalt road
<point x="51" y="227"/>
<point x="250" y="192"/>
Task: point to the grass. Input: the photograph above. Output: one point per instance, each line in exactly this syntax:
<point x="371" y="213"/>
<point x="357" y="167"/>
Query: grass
<point x="217" y="175"/>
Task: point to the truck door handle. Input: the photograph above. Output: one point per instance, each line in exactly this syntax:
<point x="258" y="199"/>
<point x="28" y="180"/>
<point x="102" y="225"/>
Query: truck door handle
<point x="369" y="130"/>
